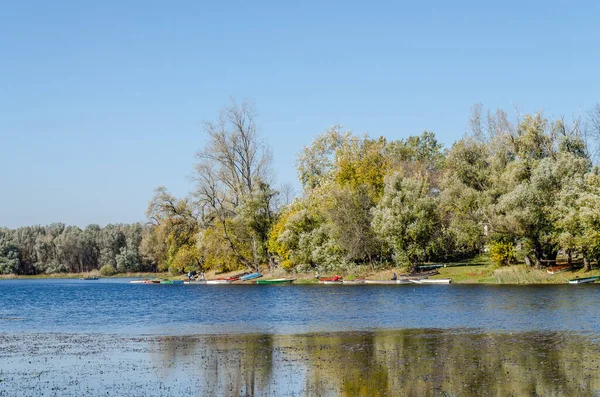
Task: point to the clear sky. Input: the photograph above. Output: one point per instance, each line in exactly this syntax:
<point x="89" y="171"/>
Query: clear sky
<point x="100" y="102"/>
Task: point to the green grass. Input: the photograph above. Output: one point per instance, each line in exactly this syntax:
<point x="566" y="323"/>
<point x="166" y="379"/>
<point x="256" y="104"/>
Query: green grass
<point x="515" y="274"/>
<point x="468" y="274"/>
<point x="306" y="281"/>
<point x="479" y="260"/>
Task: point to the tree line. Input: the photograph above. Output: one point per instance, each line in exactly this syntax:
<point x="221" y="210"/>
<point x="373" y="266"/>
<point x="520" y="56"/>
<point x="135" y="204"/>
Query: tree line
<point x="522" y="189"/>
<point x="58" y="248"/>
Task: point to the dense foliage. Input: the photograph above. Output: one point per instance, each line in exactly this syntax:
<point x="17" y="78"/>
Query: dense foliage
<point x="521" y="190"/>
<point x="58" y="248"/>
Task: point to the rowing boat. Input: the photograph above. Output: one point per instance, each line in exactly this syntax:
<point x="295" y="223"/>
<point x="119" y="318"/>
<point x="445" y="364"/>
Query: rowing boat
<point x="432" y="281"/>
<point x="560" y="268"/>
<point x="170" y="282"/>
<point x="354" y="282"/>
<point x="584" y="280"/>
<point x="146" y="281"/>
<point x="250" y="276"/>
<point x="381" y="282"/>
<point x="236" y="277"/>
<point x="275" y="281"/>
<point x="195" y="282"/>
<point x="330" y="282"/>
<point x="89" y="278"/>
<point x="334" y="278"/>
<point x="219" y="281"/>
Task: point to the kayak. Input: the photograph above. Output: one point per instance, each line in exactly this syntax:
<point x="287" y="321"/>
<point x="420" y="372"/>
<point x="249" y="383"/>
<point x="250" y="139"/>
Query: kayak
<point x="171" y="281"/>
<point x="354" y="282"/>
<point x="236" y="277"/>
<point x="89" y="278"/>
<point x="432" y="281"/>
<point x="584" y="280"/>
<point x="275" y="281"/>
<point x="250" y="276"/>
<point x="334" y="278"/>
<point x="198" y="282"/>
<point x="381" y="282"/>
<point x="144" y="282"/>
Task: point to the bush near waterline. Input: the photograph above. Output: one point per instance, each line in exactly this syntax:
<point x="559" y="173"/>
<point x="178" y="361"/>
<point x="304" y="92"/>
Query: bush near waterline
<point x="107" y="271"/>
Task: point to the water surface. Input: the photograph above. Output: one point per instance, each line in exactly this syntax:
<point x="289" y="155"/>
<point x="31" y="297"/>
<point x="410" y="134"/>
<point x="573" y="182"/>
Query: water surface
<point x="109" y="337"/>
<point x="113" y="306"/>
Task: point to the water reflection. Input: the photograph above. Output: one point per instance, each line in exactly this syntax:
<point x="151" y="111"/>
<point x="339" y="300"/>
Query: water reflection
<point x="408" y="362"/>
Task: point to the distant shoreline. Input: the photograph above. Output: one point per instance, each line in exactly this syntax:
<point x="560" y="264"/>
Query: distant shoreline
<point x="471" y="274"/>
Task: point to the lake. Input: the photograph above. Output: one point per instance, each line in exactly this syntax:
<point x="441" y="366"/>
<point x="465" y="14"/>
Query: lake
<point x="75" y="337"/>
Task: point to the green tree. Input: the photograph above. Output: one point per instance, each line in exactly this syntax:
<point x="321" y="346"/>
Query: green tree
<point x="407" y="219"/>
<point x="9" y="255"/>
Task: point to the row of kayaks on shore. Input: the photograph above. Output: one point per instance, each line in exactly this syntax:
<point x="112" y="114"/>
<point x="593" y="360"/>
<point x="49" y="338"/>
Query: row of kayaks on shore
<point x="288" y="281"/>
<point x="388" y="282"/>
<point x="329" y="281"/>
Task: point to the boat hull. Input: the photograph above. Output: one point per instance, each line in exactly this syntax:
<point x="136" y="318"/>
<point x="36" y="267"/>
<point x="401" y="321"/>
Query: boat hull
<point x="199" y="282"/>
<point x="432" y="281"/>
<point x="144" y="282"/>
<point x="558" y="269"/>
<point x="586" y="280"/>
<point x="381" y="282"/>
<point x="171" y="282"/>
<point x="217" y="282"/>
<point x="330" y="282"/>
<point x="274" y="281"/>
<point x="353" y="282"/>
<point x="250" y="276"/>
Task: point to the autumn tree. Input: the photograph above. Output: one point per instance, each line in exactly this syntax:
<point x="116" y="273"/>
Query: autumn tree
<point x="233" y="191"/>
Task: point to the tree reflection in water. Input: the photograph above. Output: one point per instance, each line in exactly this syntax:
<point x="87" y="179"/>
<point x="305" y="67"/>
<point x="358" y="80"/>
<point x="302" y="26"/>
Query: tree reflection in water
<point x="408" y="362"/>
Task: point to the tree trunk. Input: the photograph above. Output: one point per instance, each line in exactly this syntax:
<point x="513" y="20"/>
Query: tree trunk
<point x="254" y="253"/>
<point x="244" y="261"/>
<point x="586" y="264"/>
<point x="538" y="262"/>
<point x="527" y="260"/>
<point x="570" y="257"/>
<point x="539" y="253"/>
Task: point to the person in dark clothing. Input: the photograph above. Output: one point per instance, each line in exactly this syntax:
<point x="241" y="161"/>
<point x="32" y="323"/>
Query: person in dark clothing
<point x="394" y="277"/>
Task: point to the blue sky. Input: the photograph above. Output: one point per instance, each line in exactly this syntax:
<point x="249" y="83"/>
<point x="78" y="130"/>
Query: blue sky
<point x="100" y="103"/>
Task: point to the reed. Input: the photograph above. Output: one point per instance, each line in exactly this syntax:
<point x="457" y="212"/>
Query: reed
<point x="521" y="274"/>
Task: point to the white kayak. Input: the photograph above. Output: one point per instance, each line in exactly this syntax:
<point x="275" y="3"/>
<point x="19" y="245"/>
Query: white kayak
<point x="212" y="282"/>
<point x="432" y="281"/>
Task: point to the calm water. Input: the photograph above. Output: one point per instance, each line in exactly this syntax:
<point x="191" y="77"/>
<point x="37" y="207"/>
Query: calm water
<point x="113" y="306"/>
<point x="108" y="337"/>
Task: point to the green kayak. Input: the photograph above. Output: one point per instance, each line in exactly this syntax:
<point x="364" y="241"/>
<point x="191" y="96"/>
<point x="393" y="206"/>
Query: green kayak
<point x="275" y="281"/>
<point x="165" y="281"/>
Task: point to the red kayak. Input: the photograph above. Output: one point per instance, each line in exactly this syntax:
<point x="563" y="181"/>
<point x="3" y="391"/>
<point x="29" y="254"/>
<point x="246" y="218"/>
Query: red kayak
<point x="334" y="278"/>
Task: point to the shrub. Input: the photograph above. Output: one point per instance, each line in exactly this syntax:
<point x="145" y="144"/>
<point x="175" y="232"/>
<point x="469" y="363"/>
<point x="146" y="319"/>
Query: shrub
<point x="56" y="268"/>
<point x="107" y="271"/>
<point x="502" y="252"/>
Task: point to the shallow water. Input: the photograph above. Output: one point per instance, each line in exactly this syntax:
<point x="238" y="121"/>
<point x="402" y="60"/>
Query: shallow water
<point x="420" y="362"/>
<point x="108" y="337"/>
